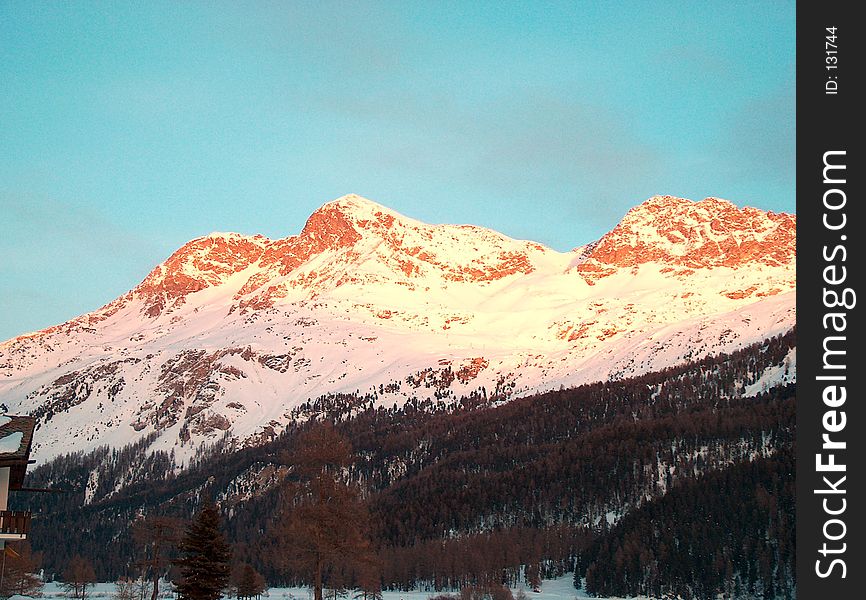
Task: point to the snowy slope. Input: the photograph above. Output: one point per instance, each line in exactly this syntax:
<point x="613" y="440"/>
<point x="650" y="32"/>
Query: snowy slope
<point x="232" y="331"/>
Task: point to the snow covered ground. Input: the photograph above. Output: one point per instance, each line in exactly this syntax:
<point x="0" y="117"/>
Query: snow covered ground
<point x="552" y="589"/>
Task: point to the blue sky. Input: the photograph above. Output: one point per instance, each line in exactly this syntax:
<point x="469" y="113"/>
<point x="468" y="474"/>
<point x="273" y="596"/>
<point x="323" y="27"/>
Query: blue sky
<point x="128" y="128"/>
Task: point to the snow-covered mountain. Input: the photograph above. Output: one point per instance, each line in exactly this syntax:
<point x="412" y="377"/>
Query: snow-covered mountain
<point x="232" y="332"/>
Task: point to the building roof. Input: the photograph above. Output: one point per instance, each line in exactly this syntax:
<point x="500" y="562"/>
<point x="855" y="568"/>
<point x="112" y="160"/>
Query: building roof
<point x="16" y="436"/>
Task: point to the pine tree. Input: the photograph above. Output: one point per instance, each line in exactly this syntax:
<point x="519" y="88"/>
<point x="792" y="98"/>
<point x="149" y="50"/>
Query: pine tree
<point x="204" y="562"/>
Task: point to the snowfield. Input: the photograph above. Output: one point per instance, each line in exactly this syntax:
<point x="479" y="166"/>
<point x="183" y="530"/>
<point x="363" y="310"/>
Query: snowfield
<point x="551" y="589"/>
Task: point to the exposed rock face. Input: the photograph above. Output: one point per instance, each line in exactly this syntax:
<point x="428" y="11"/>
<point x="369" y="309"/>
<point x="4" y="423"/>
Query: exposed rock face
<point x="693" y="235"/>
<point x="352" y="231"/>
<point x="199" y="264"/>
<point x="232" y="332"/>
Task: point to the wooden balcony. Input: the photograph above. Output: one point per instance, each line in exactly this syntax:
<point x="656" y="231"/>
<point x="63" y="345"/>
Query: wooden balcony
<point x="14" y="524"/>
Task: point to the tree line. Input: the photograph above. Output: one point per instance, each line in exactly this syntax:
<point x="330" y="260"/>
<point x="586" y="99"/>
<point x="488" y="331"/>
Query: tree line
<point x="444" y="498"/>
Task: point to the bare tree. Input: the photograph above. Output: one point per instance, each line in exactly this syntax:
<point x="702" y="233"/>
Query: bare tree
<point x="324" y="523"/>
<point x="369" y="569"/>
<point x="157" y="537"/>
<point x="125" y="589"/>
<point x="19" y="565"/>
<point x="141" y="587"/>
<point x="248" y="582"/>
<point x="78" y="576"/>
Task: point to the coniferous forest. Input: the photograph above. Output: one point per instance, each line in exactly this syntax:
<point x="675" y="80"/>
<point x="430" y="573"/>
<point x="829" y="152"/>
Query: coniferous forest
<point x="671" y="483"/>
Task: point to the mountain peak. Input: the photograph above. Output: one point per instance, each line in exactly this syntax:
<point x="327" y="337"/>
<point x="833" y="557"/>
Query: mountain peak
<point x="342" y="222"/>
<point x="233" y="333"/>
<point x="228" y="236"/>
<point x="334" y="219"/>
<point x="200" y="263"/>
<point x="355" y="241"/>
<point x="659" y="201"/>
<point x="680" y="233"/>
<point x="665" y="205"/>
<point x="353" y="203"/>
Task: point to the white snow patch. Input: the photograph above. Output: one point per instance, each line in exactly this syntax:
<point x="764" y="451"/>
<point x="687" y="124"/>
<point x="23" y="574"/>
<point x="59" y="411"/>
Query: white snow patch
<point x="11" y="443"/>
<point x="561" y="588"/>
<point x="775" y="375"/>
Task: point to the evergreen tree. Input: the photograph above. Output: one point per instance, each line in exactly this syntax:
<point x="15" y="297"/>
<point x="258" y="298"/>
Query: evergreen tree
<point x="204" y="561"/>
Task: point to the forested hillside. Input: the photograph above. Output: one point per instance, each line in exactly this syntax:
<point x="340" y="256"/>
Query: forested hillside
<point x="604" y="477"/>
<point x="730" y="533"/>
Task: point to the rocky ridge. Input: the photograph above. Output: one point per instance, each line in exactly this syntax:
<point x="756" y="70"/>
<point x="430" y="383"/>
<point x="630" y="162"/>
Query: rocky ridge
<point x="232" y="333"/>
